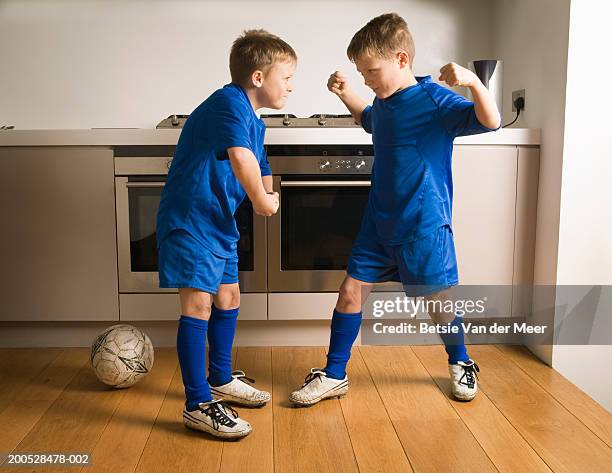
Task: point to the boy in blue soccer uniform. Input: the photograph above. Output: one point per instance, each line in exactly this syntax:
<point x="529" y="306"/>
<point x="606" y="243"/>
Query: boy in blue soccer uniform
<point x="219" y="158"/>
<point x="406" y="230"/>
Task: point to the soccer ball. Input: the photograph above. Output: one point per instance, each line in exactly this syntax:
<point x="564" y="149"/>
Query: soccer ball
<point x="121" y="356"/>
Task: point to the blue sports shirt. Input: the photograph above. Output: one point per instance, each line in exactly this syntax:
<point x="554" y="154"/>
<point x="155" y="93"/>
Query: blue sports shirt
<point x="413" y="132"/>
<point x="201" y="192"/>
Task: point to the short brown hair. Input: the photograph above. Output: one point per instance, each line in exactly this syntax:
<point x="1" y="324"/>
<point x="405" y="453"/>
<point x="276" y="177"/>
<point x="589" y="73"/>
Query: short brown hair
<point x="257" y="50"/>
<point x="382" y="36"/>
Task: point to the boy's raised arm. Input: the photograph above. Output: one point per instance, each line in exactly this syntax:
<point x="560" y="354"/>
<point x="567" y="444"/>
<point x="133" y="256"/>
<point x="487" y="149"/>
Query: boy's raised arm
<point x="484" y="103"/>
<point x="246" y="169"/>
<point x="338" y="85"/>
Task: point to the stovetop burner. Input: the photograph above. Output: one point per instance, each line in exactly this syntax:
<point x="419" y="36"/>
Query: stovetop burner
<point x="326" y="115"/>
<point x="281" y="120"/>
<point x="277" y="115"/>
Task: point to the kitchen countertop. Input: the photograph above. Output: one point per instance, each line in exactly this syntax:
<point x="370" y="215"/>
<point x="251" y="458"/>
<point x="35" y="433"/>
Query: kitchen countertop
<point x="140" y="136"/>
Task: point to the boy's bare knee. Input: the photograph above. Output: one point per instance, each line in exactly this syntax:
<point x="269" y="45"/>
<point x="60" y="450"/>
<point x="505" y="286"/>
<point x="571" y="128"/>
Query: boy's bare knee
<point x="228" y="297"/>
<point x="350" y="296"/>
<point x="442" y="318"/>
<point x="348" y="301"/>
<point x="195" y="303"/>
<point x="197" y="308"/>
<point x="436" y="305"/>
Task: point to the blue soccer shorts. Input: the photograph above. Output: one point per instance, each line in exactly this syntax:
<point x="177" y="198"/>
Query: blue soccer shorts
<point x="185" y="262"/>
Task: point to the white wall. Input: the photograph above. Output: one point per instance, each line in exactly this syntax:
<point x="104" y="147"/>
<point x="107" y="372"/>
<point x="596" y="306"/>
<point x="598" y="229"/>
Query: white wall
<point x="585" y="229"/>
<point x="85" y="64"/>
<point x="553" y="50"/>
<point x="531" y="38"/>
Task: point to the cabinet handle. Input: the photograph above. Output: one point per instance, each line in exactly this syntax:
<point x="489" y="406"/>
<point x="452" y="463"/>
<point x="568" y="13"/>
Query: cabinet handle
<point x="325" y="184"/>
<point x="145" y="184"/>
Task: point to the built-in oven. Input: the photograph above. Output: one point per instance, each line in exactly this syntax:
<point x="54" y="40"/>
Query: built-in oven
<point x="139" y="181"/>
<point x="323" y="194"/>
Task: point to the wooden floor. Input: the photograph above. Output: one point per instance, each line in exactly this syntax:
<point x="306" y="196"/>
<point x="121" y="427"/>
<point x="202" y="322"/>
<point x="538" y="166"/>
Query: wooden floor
<point x="397" y="417"/>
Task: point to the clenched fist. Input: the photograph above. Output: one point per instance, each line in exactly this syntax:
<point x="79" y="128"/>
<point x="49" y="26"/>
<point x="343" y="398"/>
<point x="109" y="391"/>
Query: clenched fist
<point x="456" y="75"/>
<point x="337" y="83"/>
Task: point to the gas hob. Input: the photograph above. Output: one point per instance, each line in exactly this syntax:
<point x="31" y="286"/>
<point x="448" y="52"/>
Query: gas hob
<point x="319" y="120"/>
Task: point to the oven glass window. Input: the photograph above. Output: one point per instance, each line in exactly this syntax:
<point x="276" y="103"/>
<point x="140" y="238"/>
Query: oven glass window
<point x="143" y="205"/>
<point x="318" y="226"/>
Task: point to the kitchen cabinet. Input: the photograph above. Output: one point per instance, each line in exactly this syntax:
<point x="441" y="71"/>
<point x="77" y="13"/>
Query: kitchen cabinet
<point x="484" y="213"/>
<point x="58" y="244"/>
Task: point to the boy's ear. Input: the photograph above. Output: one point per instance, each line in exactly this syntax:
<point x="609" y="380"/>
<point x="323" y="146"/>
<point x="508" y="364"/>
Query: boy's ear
<point x="403" y="59"/>
<point x="257" y="78"/>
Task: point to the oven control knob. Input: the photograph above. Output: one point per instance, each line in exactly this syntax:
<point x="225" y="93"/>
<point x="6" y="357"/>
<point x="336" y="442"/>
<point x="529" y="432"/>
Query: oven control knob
<point x="323" y="165"/>
<point x="360" y="164"/>
<point x="174" y="120"/>
<point x="322" y="120"/>
<point x="286" y="120"/>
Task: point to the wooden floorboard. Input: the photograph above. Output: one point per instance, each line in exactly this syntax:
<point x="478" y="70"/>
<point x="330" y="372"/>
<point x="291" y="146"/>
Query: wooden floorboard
<point x="313" y="439"/>
<point x="22" y="366"/>
<point x="434" y="437"/>
<point x="559" y="438"/>
<point x="124" y="438"/>
<point x="506" y="448"/>
<point x="74" y="421"/>
<point x="375" y="443"/>
<point x="399" y="416"/>
<point x="34" y="399"/>
<point x="257" y="450"/>
<point x="590" y="413"/>
<point x="171" y="447"/>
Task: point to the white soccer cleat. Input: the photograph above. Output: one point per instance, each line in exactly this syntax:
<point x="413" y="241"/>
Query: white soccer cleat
<point x="218" y="419"/>
<point x="464" y="377"/>
<point x="317" y="386"/>
<point x="239" y="392"/>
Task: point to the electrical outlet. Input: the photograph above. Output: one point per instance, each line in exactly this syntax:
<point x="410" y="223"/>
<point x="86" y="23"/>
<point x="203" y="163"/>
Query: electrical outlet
<point x="515" y="95"/>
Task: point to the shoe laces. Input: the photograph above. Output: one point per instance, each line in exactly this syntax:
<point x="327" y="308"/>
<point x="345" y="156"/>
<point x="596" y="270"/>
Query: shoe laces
<point x="220" y="413"/>
<point x="315" y="373"/>
<point x="469" y="372"/>
<point x="238" y="374"/>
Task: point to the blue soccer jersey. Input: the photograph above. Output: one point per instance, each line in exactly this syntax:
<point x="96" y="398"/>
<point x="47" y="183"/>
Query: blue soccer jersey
<point x="413" y="132"/>
<point x="202" y="192"/>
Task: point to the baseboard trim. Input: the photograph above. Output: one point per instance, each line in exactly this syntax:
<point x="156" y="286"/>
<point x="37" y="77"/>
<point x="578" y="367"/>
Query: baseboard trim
<point x="162" y="333"/>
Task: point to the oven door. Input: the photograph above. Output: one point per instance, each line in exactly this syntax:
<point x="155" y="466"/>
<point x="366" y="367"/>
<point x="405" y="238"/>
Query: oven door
<point x="311" y="236"/>
<point x="137" y="202"/>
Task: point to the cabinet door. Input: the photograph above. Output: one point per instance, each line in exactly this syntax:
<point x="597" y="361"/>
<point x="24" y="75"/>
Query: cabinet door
<point x="58" y="244"/>
<point x="484" y="213"/>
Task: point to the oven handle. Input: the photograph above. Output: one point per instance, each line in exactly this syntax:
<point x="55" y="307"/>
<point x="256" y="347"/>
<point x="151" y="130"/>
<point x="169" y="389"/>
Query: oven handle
<point x="145" y="184"/>
<point x="325" y="184"/>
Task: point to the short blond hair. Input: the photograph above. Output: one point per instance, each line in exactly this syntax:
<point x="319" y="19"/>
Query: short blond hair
<point x="382" y="37"/>
<point x="257" y="50"/>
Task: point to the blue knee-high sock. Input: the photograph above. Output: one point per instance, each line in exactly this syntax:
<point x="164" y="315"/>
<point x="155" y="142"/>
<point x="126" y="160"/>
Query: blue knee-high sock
<point x="344" y="330"/>
<point x="454" y="344"/>
<point x="191" y="348"/>
<point x="221" y="331"/>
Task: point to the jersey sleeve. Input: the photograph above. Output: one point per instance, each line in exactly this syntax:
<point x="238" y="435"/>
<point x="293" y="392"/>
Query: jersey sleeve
<point x="458" y="114"/>
<point x="227" y="126"/>
<point x="366" y="119"/>
<point x="264" y="165"/>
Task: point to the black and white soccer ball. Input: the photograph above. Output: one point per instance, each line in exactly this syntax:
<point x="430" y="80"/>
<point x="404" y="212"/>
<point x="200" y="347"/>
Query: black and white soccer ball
<point x="121" y="356"/>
